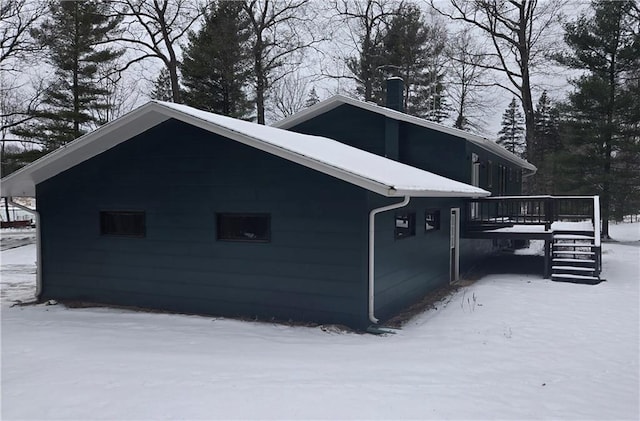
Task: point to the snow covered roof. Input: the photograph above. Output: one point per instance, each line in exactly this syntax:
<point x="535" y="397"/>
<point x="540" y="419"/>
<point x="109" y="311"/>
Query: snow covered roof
<point x="372" y="172"/>
<point x="337" y="100"/>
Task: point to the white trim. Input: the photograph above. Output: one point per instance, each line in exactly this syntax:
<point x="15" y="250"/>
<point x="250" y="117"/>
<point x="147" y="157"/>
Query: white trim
<point x="372" y="252"/>
<point x="417" y="183"/>
<point x="337" y="100"/>
<point x="22" y="182"/>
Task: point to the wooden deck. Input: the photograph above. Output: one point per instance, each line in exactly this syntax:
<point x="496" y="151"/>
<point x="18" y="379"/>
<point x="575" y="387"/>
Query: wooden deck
<point x="569" y="226"/>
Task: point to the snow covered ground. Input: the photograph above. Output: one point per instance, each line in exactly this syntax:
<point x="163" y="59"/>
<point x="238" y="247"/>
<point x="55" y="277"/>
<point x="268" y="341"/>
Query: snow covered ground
<point x="507" y="347"/>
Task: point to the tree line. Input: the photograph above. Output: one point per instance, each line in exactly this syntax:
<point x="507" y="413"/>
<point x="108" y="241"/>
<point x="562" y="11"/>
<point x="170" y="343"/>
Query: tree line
<point x="261" y="60"/>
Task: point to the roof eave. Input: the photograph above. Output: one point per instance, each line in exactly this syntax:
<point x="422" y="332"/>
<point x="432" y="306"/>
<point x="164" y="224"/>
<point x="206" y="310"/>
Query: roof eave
<point x="393" y="192"/>
<point x="90" y="141"/>
<point x="338" y="100"/>
<point x="153" y="113"/>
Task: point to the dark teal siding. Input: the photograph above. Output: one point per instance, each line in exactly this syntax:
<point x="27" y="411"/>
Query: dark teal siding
<point x="433" y="151"/>
<point x="407" y="269"/>
<point x="514" y="173"/>
<point x="314" y="267"/>
<point x="427" y="149"/>
<point x="351" y="125"/>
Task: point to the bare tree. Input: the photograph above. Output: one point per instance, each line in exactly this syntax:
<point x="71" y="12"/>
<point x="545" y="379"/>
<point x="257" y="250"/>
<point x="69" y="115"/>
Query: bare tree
<point x="467" y="79"/>
<point x="17" y="17"/>
<point x="154" y="28"/>
<point x="121" y="94"/>
<point x="280" y="35"/>
<point x="17" y="50"/>
<point x="289" y="95"/>
<point x="518" y="31"/>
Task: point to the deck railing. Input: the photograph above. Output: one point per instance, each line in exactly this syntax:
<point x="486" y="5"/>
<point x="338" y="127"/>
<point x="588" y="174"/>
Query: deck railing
<point x="531" y="210"/>
<point x="487" y="214"/>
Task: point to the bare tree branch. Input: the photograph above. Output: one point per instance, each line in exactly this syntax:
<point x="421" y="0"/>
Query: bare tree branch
<point x="518" y="31"/>
<point x="156" y="27"/>
<point x="276" y="37"/>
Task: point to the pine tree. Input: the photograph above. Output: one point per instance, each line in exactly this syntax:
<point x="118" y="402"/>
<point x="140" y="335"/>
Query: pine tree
<point x="607" y="46"/>
<point x="413" y="49"/>
<point x="216" y="66"/>
<point x="371" y="18"/>
<point x="511" y="135"/>
<point x="162" y="87"/>
<point x="73" y="36"/>
<point x="405" y="46"/>
<point x="312" y="99"/>
<point x="545" y="146"/>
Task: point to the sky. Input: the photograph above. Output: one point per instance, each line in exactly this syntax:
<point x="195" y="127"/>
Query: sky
<point x="138" y="79"/>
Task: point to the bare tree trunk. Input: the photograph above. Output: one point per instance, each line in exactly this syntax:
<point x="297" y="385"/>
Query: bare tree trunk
<point x="275" y="38"/>
<point x="517" y="30"/>
<point x="260" y="79"/>
<point x="156" y="30"/>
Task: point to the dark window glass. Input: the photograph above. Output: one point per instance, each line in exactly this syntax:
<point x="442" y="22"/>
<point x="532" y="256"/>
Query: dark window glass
<point x="405" y="224"/>
<point x="125" y="223"/>
<point x="503" y="180"/>
<point x="489" y="174"/>
<point x="431" y="220"/>
<point x="244" y="227"/>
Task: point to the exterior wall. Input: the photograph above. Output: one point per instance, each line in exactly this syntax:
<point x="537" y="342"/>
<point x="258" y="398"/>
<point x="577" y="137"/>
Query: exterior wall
<point x="490" y="179"/>
<point x="434" y="151"/>
<point x="430" y="150"/>
<point x="314" y="267"/>
<point x="407" y="269"/>
<point x="351" y="125"/>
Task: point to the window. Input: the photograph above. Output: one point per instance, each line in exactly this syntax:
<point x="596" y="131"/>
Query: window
<point x="122" y="223"/>
<point x="489" y="174"/>
<point x="431" y="220"/>
<point x="405" y="225"/>
<point x="244" y="227"/>
<point x="503" y="180"/>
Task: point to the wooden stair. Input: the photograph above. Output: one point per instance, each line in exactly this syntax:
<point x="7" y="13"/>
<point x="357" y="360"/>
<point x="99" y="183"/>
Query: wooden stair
<point x="575" y="257"/>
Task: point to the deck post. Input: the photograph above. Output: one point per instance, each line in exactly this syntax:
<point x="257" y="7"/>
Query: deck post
<point x="547" y="258"/>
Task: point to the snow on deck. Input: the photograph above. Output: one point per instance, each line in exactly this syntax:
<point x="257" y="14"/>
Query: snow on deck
<point x="555" y="226"/>
<point x="507" y="347"/>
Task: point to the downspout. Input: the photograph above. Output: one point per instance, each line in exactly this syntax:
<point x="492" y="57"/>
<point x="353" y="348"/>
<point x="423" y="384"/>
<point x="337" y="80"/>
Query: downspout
<point x="372" y="254"/>
<point x="38" y="245"/>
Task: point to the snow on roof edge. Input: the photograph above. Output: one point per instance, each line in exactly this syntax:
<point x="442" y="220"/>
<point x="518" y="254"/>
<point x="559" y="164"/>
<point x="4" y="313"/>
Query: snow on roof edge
<point x="93" y="143"/>
<point x="337" y="100"/>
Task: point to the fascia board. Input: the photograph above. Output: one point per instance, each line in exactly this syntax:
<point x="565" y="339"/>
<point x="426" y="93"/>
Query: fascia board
<point x="23" y="181"/>
<point x="306" y="161"/>
<point x="432" y="193"/>
<point x="320" y="166"/>
<point x="310" y="112"/>
<point x="338" y="100"/>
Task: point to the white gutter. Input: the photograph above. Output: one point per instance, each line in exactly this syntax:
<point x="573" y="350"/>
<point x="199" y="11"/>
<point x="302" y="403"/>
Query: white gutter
<point x="38" y="245"/>
<point x="596" y="220"/>
<point x="372" y="254"/>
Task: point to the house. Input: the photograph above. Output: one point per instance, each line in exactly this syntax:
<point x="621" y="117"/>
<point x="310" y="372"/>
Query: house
<point x="389" y="132"/>
<point x="569" y="226"/>
<point x="173" y="208"/>
<point x="177" y="209"/>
